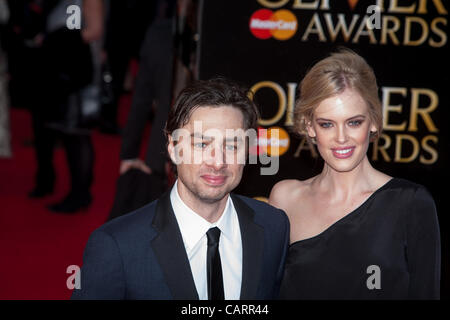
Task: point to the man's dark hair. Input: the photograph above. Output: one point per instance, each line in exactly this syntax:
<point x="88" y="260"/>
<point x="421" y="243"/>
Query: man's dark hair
<point x="215" y="92"/>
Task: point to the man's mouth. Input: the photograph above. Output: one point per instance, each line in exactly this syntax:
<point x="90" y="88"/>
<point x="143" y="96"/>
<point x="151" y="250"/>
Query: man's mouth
<point x="214" y="180"/>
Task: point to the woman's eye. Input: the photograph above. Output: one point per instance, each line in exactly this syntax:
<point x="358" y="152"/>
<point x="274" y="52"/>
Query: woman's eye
<point x="355" y="123"/>
<point x="325" y="125"/>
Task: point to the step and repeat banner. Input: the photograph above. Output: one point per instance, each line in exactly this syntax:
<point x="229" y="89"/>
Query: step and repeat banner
<point x="269" y="45"/>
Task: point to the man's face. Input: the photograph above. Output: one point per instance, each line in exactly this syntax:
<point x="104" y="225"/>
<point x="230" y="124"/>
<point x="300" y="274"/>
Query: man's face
<point x="210" y="153"/>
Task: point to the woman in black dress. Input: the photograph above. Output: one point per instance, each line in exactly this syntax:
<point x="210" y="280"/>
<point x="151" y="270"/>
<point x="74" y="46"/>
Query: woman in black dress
<point x="356" y="233"/>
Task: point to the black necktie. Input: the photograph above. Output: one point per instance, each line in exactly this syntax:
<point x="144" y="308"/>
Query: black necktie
<point x="214" y="266"/>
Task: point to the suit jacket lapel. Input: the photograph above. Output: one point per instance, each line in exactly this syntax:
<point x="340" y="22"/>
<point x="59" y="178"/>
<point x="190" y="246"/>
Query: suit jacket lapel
<point x="252" y="249"/>
<point x="169" y="249"/>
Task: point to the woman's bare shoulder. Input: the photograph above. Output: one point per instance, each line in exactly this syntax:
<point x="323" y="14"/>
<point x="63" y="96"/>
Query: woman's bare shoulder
<point x="285" y="193"/>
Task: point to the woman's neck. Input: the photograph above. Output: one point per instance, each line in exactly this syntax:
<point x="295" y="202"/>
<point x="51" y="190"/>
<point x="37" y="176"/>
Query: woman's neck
<point x="344" y="185"/>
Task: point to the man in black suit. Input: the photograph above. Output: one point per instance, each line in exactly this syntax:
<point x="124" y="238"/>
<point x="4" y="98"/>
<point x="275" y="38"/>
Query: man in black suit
<point x="197" y="241"/>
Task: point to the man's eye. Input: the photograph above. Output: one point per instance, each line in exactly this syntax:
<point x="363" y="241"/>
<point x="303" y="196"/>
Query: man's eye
<point x="231" y="147"/>
<point x="200" y="145"/>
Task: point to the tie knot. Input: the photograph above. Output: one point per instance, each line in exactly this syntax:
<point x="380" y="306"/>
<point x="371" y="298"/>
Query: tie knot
<point x="213" y="236"/>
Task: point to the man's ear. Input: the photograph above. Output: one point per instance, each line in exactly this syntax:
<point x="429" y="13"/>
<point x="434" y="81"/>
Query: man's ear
<point x="171" y="148"/>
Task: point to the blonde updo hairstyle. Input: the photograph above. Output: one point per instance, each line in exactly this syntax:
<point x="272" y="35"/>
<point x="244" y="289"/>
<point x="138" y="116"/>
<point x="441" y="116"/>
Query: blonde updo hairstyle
<point x="342" y="70"/>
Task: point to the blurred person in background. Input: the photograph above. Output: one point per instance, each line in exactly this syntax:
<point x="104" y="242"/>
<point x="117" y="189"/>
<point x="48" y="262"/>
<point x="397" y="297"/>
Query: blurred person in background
<point x="54" y="64"/>
<point x="28" y="83"/>
<point x="72" y="123"/>
<point x="5" y="144"/>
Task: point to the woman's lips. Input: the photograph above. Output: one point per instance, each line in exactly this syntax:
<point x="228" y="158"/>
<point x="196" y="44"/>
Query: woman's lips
<point x="343" y="153"/>
<point x="214" y="180"/>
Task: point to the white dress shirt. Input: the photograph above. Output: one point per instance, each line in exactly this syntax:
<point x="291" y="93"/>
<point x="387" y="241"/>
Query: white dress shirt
<point x="193" y="230"/>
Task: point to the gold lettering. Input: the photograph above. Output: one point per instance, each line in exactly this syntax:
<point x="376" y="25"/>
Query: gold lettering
<point x="382" y="149"/>
<point x="309" y="146"/>
<point x="437" y="3"/>
<point x="341" y="25"/>
<point x="407" y="36"/>
<point x="399" y="138"/>
<point x="317" y="30"/>
<point x="387" y="107"/>
<point x="368" y="32"/>
<point x="300" y="4"/>
<point x="387" y="31"/>
<point x="263" y="199"/>
<point x="292" y="86"/>
<point x="434" y="154"/>
<point x="380" y="4"/>
<point x="439" y="32"/>
<point x="272" y="4"/>
<point x="325" y="5"/>
<point x="281" y="101"/>
<point x="424" y="112"/>
<point x="395" y="8"/>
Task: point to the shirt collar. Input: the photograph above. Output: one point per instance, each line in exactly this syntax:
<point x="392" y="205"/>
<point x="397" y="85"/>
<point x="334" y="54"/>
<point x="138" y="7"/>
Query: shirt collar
<point x="192" y="226"/>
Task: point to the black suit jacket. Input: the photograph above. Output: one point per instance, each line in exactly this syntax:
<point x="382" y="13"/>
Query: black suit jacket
<point x="141" y="255"/>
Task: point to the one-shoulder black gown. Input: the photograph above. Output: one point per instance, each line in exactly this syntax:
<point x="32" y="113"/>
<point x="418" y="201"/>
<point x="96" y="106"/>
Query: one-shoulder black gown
<point x="388" y="248"/>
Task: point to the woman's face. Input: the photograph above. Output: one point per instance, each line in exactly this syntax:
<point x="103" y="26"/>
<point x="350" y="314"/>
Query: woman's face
<point x="341" y="126"/>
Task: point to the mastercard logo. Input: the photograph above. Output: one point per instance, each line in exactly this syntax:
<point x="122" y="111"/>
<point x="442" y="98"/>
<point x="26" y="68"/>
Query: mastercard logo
<point x="281" y="24"/>
<point x="274" y="141"/>
<point x="277" y="142"/>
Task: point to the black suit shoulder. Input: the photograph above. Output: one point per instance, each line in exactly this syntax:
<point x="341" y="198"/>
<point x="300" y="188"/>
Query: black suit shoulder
<point x="137" y="222"/>
<point x="265" y="214"/>
<point x="260" y="206"/>
<point x="111" y="252"/>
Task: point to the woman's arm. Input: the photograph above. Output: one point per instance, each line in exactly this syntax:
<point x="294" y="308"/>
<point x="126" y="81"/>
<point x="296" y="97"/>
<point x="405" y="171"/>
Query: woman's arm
<point x="423" y="251"/>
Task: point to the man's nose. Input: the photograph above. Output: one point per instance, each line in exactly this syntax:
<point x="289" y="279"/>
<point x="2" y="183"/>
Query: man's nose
<point x="217" y="158"/>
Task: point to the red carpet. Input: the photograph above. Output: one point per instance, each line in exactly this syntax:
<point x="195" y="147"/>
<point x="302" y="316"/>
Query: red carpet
<point x="37" y="245"/>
